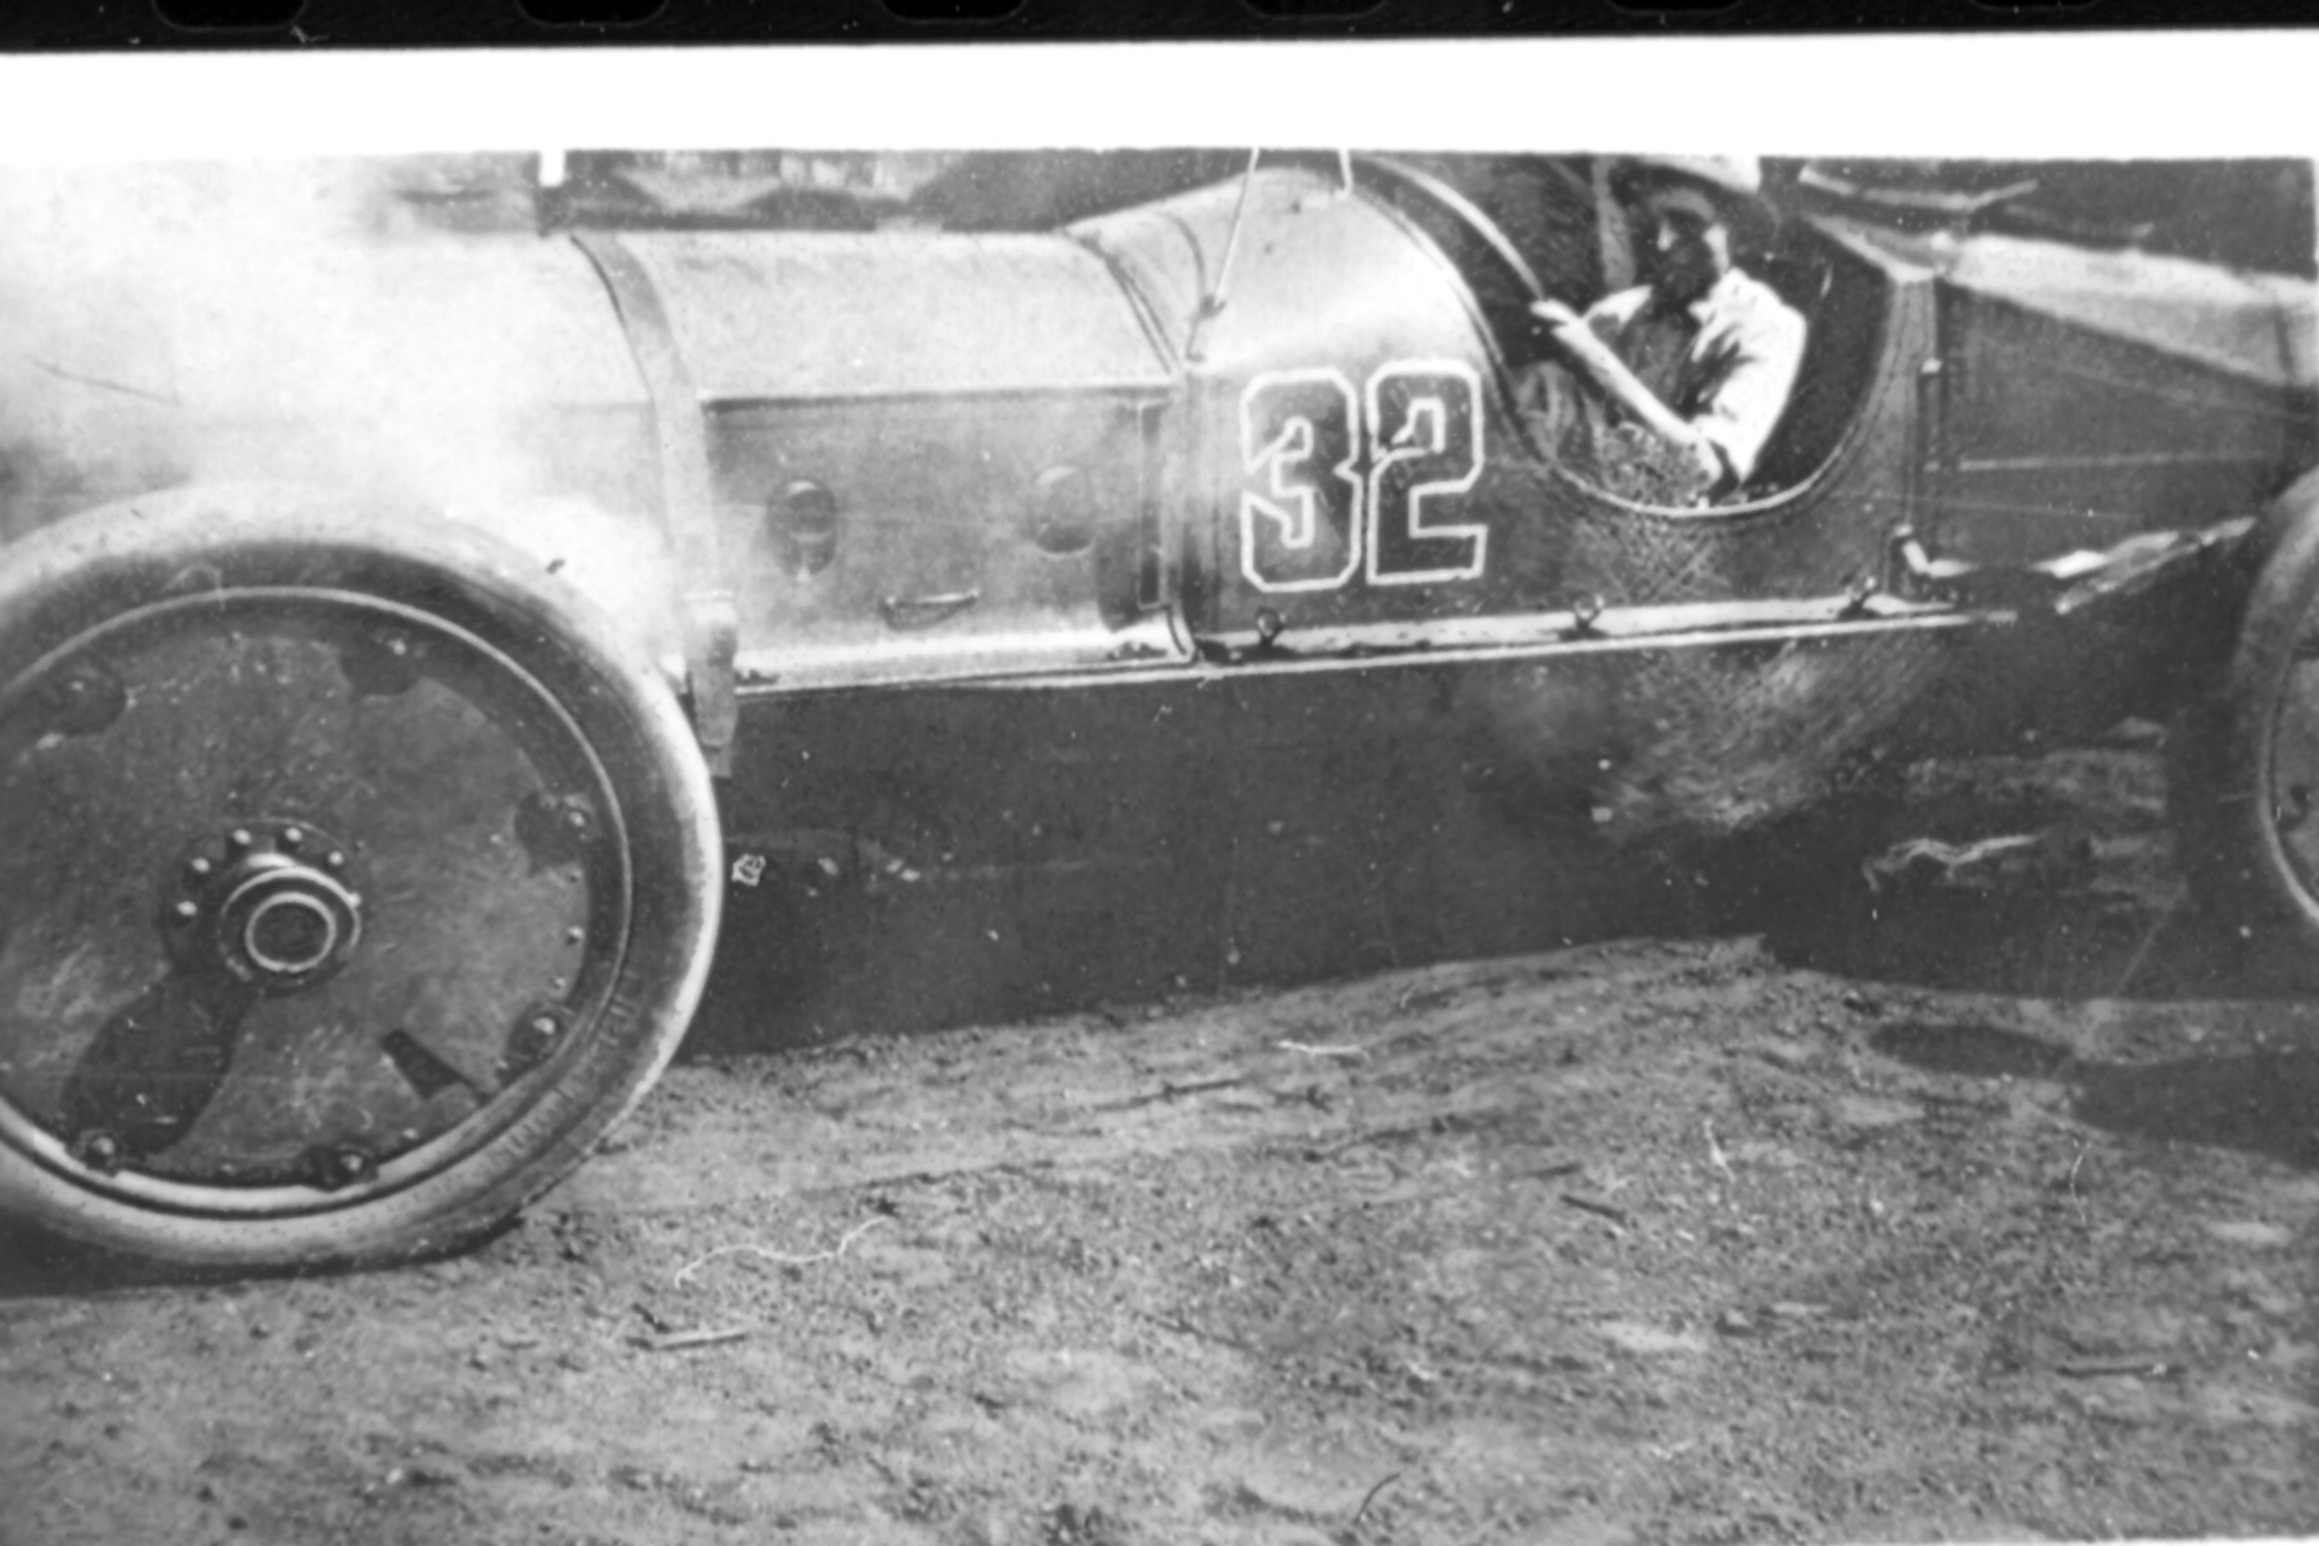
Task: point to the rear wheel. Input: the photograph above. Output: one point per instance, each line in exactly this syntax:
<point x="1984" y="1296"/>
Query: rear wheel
<point x="355" y="878"/>
<point x="2244" y="773"/>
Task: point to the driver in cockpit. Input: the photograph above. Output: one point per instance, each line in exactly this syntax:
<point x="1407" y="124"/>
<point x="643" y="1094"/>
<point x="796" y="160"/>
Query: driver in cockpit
<point x="1683" y="378"/>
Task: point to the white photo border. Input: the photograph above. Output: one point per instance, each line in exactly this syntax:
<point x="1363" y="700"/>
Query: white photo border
<point x="2035" y="95"/>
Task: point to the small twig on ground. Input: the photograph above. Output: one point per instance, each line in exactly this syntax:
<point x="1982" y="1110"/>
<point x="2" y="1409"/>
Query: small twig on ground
<point x="1368" y="1135"/>
<point x="1371" y="1498"/>
<point x="1172" y="1091"/>
<point x="1716" y="1156"/>
<point x="677" y="1341"/>
<point x="1183" y="1327"/>
<point x="1924" y="854"/>
<point x="1027" y="1168"/>
<point x="2097" y="1368"/>
<point x="2133" y="966"/>
<point x="1611" y="1211"/>
<point x="1552" y="1171"/>
<point x="1312" y="1051"/>
<point x="779" y="1258"/>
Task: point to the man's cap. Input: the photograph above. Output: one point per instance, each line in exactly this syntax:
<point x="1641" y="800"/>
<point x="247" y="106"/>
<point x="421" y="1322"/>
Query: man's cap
<point x="1742" y="175"/>
<point x="1734" y="183"/>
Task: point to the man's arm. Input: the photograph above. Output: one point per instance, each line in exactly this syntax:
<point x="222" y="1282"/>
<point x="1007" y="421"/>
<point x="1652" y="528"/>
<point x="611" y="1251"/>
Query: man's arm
<point x="1586" y="350"/>
<point x="1751" y="395"/>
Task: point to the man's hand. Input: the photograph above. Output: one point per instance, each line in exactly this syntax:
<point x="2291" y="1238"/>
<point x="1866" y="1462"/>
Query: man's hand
<point x="1554" y="313"/>
<point x="1558" y="319"/>
<point x="1569" y="332"/>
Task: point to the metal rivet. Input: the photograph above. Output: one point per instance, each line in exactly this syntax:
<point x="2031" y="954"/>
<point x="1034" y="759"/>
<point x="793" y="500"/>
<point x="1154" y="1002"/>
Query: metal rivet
<point x="574" y="936"/>
<point x="239" y="837"/>
<point x="334" y="860"/>
<point x="200" y="868"/>
<point x="543" y="1025"/>
<point x="333" y="1168"/>
<point x="187" y="911"/>
<point x="292" y="837"/>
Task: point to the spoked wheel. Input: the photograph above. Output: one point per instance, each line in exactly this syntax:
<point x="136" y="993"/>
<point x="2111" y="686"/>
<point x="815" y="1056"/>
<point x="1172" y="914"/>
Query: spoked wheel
<point x="354" y="879"/>
<point x="2245" y="767"/>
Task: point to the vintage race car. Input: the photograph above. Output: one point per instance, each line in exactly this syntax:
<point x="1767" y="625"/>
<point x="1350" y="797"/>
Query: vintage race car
<point x="416" y="651"/>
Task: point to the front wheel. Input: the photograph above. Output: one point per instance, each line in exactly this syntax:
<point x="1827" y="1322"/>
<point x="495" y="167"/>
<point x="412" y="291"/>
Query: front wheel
<point x="355" y="878"/>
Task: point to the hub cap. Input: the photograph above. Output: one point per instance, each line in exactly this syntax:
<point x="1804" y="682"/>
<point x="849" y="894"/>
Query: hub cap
<point x="266" y="905"/>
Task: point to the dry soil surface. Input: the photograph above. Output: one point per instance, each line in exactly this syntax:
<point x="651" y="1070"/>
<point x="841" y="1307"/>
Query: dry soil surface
<point x="1984" y="1209"/>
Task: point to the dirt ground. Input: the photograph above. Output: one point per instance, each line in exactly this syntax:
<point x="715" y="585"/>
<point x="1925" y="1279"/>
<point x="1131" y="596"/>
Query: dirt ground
<point x="1987" y="1208"/>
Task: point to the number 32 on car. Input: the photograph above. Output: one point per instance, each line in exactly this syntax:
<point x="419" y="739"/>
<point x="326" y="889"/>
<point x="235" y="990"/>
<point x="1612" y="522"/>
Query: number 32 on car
<point x="1343" y="482"/>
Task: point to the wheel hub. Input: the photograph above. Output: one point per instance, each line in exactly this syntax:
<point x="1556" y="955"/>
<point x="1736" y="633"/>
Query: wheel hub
<point x="268" y="904"/>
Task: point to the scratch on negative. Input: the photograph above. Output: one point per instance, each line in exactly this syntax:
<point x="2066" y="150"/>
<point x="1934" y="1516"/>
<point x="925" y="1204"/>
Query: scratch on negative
<point x="167" y="400"/>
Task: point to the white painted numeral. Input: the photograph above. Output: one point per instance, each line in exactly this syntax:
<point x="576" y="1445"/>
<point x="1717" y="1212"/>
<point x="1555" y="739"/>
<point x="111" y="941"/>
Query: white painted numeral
<point x="1300" y="529"/>
<point x="1427" y="418"/>
<point x="1311" y="517"/>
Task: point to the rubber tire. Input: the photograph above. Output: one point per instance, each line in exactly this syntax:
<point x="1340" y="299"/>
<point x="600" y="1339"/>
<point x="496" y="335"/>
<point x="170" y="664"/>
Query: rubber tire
<point x="2245" y="886"/>
<point x="620" y="701"/>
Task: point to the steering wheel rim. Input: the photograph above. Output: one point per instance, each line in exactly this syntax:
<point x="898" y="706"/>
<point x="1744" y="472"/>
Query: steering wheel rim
<point x="1470" y="216"/>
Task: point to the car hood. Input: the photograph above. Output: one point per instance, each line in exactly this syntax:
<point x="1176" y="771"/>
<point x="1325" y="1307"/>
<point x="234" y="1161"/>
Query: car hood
<point x="2259" y="328"/>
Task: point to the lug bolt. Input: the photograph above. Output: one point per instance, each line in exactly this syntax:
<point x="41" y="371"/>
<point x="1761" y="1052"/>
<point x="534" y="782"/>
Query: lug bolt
<point x="100" y="1151"/>
<point x="292" y="837"/>
<point x="85" y="700"/>
<point x="531" y="1040"/>
<point x="334" y="860"/>
<point x="186" y="912"/>
<point x="239" y="839"/>
<point x="333" y="1168"/>
<point x="200" y="869"/>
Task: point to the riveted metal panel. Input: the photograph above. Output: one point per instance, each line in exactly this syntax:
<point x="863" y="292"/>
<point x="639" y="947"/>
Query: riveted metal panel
<point x="963" y="536"/>
<point x="931" y="455"/>
<point x="2093" y="395"/>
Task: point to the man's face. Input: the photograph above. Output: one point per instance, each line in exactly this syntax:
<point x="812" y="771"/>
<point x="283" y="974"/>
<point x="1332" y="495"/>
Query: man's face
<point x="1682" y="244"/>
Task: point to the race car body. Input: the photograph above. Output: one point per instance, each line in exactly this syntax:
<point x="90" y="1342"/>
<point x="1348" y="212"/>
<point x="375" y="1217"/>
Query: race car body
<point x="418" y="651"/>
